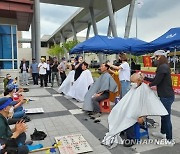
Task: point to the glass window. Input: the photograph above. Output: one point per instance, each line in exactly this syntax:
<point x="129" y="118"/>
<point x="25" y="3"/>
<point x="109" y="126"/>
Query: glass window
<point x="5" y="29"/>
<point x="15" y="64"/>
<point x="14" y="30"/>
<point x="7" y="47"/>
<point x="1" y="48"/>
<point x="15" y="46"/>
<point x="8" y="41"/>
<point x="6" y="64"/>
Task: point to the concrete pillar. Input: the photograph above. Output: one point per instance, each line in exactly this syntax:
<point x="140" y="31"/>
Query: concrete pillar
<point x="33" y="38"/>
<point x="93" y="21"/>
<point x="37" y="29"/>
<point x="109" y="30"/>
<point x="54" y="41"/>
<point x="129" y="19"/>
<point x="74" y="31"/>
<point x="63" y="41"/>
<point x="111" y="18"/>
<point x="88" y="31"/>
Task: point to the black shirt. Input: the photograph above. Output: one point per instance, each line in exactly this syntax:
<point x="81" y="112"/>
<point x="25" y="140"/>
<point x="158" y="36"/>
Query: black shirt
<point x="54" y="68"/>
<point x="163" y="81"/>
<point x="78" y="72"/>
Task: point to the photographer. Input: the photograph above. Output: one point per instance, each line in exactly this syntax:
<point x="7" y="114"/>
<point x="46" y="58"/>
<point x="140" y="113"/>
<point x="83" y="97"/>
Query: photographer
<point x="78" y="68"/>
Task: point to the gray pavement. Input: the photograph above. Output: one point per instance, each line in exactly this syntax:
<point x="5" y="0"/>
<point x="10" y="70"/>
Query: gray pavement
<point x="63" y="116"/>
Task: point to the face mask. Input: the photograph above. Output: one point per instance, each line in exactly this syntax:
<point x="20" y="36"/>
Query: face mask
<point x="134" y="85"/>
<point x="11" y="112"/>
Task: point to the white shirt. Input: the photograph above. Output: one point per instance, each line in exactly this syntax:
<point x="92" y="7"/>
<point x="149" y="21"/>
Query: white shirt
<point x="42" y="68"/>
<point x="48" y="67"/>
<point x="124" y="73"/>
<point x="24" y="67"/>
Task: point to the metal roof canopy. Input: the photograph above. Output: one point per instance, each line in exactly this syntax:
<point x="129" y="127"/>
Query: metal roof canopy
<point x="21" y="10"/>
<point x="82" y="16"/>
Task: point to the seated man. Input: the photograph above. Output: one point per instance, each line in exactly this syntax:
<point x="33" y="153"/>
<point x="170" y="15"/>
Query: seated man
<point x="17" y="134"/>
<point x="138" y="102"/>
<point x="99" y="91"/>
<point x="7" y="80"/>
<point x="81" y="85"/>
<point x="18" y="109"/>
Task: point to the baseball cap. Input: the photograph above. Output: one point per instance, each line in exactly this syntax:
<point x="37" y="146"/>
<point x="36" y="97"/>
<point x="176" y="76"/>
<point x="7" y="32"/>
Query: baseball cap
<point x="160" y="53"/>
<point x="5" y="101"/>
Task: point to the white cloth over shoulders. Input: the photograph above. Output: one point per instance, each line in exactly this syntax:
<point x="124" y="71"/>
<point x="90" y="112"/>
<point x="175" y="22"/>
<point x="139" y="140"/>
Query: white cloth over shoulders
<point x="67" y="83"/>
<point x="80" y="86"/>
<point x="141" y="101"/>
<point x="104" y="83"/>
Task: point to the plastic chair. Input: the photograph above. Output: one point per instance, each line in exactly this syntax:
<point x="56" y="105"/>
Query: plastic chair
<point x="141" y="130"/>
<point x="105" y="106"/>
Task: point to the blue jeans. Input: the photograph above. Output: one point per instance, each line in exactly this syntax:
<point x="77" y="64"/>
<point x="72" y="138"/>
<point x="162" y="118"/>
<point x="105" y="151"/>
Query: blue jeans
<point x="166" y="125"/>
<point x="125" y="86"/>
<point x="18" y="112"/>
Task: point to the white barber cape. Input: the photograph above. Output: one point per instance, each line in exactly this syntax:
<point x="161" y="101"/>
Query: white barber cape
<point x="67" y="83"/>
<point x="138" y="102"/>
<point x="80" y="86"/>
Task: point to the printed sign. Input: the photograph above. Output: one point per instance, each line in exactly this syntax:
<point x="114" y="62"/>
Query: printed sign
<point x="175" y="80"/>
<point x="72" y="144"/>
<point x="147" y="61"/>
<point x="34" y="111"/>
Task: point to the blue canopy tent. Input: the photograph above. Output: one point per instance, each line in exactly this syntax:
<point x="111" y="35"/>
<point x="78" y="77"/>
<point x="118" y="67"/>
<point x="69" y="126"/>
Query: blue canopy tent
<point x="133" y="42"/>
<point x="168" y="41"/>
<point x="101" y="44"/>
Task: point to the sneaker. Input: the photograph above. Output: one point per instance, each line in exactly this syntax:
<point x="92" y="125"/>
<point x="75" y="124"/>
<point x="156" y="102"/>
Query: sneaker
<point x="30" y="142"/>
<point x="159" y="135"/>
<point x="165" y="142"/>
<point x="96" y="115"/>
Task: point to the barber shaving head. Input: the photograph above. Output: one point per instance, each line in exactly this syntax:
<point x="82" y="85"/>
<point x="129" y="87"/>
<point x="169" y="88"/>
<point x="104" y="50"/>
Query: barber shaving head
<point x="137" y="79"/>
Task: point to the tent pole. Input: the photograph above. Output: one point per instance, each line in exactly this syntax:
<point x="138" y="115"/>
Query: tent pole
<point x="174" y="60"/>
<point x="84" y="55"/>
<point x="130" y="59"/>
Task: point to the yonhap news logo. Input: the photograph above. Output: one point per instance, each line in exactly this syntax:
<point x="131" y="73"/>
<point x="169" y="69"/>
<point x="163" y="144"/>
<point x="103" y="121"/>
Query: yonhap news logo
<point x="171" y="36"/>
<point x="149" y="141"/>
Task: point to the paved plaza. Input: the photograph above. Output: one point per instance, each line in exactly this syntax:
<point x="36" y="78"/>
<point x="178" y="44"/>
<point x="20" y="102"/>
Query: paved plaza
<point x="63" y="116"/>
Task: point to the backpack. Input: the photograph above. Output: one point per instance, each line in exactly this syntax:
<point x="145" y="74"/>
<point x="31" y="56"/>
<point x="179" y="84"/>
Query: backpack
<point x="38" y="135"/>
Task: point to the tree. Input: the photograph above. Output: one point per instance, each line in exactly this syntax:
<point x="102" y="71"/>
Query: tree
<point x="70" y="44"/>
<point x="56" y="51"/>
<point x="62" y="50"/>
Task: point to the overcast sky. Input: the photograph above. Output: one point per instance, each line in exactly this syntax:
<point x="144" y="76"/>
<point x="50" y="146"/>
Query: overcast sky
<point x="154" y="18"/>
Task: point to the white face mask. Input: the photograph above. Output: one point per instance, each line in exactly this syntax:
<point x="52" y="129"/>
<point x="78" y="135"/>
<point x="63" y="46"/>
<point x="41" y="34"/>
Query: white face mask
<point x="11" y="112"/>
<point x="134" y="85"/>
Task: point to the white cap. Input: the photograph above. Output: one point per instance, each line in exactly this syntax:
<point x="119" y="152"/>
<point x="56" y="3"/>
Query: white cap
<point x="160" y="53"/>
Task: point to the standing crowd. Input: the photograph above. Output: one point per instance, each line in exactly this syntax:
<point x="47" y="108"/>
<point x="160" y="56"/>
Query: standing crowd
<point x="45" y="71"/>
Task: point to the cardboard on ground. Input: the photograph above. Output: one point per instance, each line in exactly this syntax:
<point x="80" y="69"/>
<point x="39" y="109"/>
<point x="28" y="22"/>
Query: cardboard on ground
<point x="72" y="144"/>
